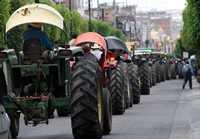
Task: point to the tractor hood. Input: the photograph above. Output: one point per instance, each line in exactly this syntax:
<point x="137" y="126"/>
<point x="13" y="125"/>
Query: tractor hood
<point x="114" y="43"/>
<point x="35" y="13"/>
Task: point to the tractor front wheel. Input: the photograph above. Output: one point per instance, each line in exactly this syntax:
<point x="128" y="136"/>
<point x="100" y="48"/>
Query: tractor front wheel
<point x="107" y="119"/>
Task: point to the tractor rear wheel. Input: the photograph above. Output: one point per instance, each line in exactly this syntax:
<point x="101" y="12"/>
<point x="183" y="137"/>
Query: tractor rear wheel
<point x="14" y="127"/>
<point x="14" y="118"/>
<point x="144" y="78"/>
<point x="86" y="100"/>
<point x="153" y="75"/>
<point x="107" y="119"/>
<point x="127" y="87"/>
<point x="134" y="81"/>
<point x="3" y="86"/>
<point x="117" y="90"/>
<point x="158" y="72"/>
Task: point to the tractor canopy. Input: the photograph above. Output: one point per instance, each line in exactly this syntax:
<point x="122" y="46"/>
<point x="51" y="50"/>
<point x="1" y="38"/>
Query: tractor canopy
<point x="91" y="37"/>
<point x="35" y="13"/>
<point x="114" y="43"/>
<point x="144" y="51"/>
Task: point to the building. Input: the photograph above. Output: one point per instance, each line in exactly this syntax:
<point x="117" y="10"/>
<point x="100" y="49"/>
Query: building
<point x="75" y="4"/>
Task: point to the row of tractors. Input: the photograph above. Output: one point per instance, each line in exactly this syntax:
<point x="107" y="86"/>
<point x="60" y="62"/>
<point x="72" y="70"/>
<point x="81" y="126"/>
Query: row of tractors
<point x="154" y="67"/>
<point x="90" y="80"/>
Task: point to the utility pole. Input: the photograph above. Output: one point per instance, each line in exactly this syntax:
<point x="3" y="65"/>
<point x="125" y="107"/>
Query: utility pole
<point x="98" y="9"/>
<point x="102" y="14"/>
<point x="70" y="5"/>
<point x="130" y="32"/>
<point x="90" y="20"/>
<point x="114" y="13"/>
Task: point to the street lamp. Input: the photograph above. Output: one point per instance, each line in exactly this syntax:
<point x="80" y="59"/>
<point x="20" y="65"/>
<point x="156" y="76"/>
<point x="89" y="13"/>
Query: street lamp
<point x="89" y="21"/>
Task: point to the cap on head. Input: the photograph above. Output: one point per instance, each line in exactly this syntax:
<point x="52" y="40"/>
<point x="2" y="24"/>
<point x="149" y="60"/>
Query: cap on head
<point x="36" y="25"/>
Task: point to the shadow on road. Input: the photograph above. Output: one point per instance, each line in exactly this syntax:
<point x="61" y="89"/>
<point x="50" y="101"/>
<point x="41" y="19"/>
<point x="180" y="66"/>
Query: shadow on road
<point x="63" y="136"/>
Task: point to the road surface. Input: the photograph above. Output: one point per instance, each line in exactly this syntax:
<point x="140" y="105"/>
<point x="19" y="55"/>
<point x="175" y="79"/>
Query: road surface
<point x="165" y="114"/>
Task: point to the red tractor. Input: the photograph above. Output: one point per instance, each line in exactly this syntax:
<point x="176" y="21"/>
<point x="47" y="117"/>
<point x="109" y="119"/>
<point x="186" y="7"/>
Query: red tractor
<point x="91" y="107"/>
<point x="127" y="71"/>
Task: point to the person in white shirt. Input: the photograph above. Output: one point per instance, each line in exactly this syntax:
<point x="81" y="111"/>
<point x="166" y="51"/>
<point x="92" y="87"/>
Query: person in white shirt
<point x="187" y="74"/>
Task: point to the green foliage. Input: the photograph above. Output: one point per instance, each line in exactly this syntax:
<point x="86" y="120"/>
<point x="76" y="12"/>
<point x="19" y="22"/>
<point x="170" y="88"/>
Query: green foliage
<point x="179" y="48"/>
<point x="14" y="37"/>
<point x="4" y="14"/>
<point x="191" y="29"/>
<point x="73" y="24"/>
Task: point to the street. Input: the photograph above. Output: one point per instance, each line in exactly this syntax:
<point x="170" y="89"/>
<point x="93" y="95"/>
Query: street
<point x="165" y="114"/>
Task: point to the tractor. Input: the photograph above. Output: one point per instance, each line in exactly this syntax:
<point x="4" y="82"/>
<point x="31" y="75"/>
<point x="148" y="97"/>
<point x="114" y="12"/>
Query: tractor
<point x="47" y="79"/>
<point x="129" y="72"/>
<point x="91" y="104"/>
<point x="141" y="57"/>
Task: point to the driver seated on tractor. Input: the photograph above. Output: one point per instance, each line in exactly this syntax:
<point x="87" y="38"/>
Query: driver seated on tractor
<point x="92" y="51"/>
<point x="36" y="44"/>
<point x="35" y="32"/>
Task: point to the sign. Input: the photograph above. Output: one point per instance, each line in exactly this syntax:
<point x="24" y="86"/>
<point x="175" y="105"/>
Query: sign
<point x="185" y="55"/>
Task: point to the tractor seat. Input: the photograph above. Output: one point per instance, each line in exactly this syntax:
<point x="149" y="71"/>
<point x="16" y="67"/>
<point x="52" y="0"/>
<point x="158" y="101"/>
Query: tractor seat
<point x="32" y="51"/>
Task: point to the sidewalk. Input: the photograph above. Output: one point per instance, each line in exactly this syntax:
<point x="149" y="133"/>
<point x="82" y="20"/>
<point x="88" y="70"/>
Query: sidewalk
<point x="186" y="123"/>
<point x="194" y="112"/>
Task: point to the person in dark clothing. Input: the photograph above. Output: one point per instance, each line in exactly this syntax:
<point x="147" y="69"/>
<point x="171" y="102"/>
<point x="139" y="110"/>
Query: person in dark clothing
<point x="35" y="32"/>
<point x="187" y="74"/>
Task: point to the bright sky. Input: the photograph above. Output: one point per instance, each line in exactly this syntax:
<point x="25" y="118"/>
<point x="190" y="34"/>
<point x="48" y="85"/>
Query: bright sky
<point x="153" y="4"/>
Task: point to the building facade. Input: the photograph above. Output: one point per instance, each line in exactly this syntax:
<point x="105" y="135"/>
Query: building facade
<point x="75" y="4"/>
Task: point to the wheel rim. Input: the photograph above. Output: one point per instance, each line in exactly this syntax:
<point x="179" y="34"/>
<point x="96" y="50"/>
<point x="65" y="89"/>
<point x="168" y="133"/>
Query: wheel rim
<point x="99" y="103"/>
<point x="128" y="87"/>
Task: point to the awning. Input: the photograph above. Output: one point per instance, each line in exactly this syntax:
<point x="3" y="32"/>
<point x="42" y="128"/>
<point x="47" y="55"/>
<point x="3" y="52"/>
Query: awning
<point x="91" y="37"/>
<point x="35" y="13"/>
<point x="114" y="43"/>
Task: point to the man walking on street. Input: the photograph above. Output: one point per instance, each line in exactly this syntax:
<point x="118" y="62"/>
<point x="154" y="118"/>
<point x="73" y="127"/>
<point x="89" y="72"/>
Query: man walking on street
<point x="187" y="74"/>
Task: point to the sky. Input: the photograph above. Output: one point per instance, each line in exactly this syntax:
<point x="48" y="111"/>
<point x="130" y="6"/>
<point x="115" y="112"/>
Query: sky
<point x="153" y="4"/>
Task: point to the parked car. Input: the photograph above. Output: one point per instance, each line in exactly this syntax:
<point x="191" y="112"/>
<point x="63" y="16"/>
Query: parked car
<point x="4" y="124"/>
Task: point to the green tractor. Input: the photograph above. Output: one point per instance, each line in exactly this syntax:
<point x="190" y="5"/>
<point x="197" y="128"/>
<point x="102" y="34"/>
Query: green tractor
<point x="141" y="57"/>
<point x="37" y="81"/>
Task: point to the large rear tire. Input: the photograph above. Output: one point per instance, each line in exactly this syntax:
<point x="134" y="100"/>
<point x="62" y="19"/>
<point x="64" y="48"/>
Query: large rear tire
<point x="14" y="117"/>
<point x="144" y="78"/>
<point x="14" y="127"/>
<point x="158" y="72"/>
<point x="116" y="89"/>
<point x="3" y="86"/>
<point x="134" y="81"/>
<point x="86" y="101"/>
<point x="153" y="75"/>
<point x="107" y="120"/>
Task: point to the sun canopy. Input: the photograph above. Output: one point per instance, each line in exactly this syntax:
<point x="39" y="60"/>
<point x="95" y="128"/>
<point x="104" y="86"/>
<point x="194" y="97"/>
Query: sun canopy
<point x="115" y="43"/>
<point x="35" y="13"/>
<point x="91" y="37"/>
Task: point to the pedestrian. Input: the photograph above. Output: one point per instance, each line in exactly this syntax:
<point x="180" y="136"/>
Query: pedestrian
<point x="187" y="74"/>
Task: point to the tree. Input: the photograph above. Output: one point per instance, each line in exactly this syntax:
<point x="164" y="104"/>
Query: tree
<point x="190" y="35"/>
<point x="4" y="14"/>
<point x="14" y="37"/>
<point x="73" y="24"/>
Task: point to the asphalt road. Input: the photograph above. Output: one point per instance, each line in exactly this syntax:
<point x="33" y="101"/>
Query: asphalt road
<point x="165" y="114"/>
